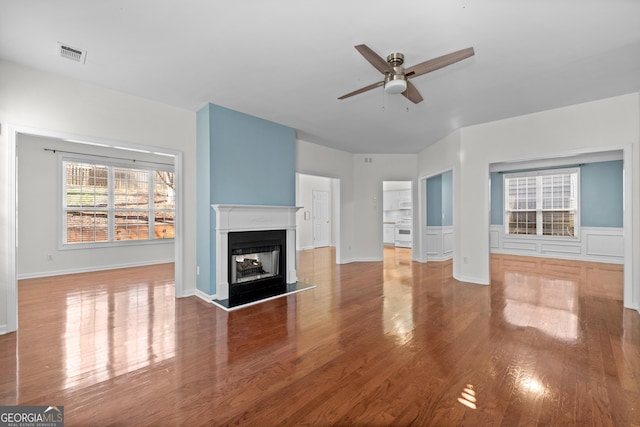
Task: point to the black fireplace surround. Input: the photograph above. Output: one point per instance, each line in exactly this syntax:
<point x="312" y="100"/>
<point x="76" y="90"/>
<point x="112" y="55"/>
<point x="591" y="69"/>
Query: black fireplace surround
<point x="257" y="265"/>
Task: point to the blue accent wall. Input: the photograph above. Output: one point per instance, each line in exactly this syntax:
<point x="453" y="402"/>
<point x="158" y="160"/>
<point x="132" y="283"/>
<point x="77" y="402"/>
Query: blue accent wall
<point x="497" y="198"/>
<point x="447" y="198"/>
<point x="253" y="161"/>
<point x="601" y="195"/>
<point x="242" y="160"/>
<point x="440" y="200"/>
<point x="434" y="201"/>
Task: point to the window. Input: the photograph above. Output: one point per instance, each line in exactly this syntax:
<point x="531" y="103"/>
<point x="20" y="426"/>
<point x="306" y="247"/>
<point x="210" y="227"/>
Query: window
<point x="542" y="203"/>
<point x="106" y="203"/>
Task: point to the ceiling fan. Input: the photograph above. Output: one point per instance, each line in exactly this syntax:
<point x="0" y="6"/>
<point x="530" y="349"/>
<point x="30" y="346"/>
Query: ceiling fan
<point x="396" y="78"/>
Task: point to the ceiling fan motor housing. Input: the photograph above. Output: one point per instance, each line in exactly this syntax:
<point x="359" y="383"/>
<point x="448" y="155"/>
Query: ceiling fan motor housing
<point x="395" y="59"/>
<point x="395" y="82"/>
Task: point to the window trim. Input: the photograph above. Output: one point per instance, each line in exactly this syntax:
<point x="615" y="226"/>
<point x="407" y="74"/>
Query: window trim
<point x="110" y="163"/>
<point x="540" y="237"/>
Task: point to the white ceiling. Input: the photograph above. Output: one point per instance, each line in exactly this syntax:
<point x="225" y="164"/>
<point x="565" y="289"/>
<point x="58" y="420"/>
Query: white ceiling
<point x="289" y="60"/>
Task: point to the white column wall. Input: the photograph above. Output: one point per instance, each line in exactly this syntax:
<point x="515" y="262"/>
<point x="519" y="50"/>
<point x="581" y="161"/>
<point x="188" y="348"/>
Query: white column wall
<point x="438" y="158"/>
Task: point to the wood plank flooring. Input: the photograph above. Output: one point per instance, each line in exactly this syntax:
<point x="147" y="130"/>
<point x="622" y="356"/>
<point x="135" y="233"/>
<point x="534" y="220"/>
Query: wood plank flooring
<point x="387" y="343"/>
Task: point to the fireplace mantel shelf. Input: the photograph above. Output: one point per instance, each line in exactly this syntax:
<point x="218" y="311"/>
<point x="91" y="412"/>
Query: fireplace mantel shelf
<point x="254" y="207"/>
<point x="254" y="217"/>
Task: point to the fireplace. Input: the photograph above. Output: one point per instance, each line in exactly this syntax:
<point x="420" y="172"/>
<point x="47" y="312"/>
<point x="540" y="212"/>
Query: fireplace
<point x="256" y="265"/>
<point x="255" y="251"/>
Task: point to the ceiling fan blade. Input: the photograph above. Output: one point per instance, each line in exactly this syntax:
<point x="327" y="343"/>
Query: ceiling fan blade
<point x="374" y="59"/>
<point x="439" y="62"/>
<point x="364" y="89"/>
<point x="412" y="93"/>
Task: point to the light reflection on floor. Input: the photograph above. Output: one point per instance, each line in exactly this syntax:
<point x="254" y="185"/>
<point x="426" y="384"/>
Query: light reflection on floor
<point x="398" y="296"/>
<point x="105" y="317"/>
<point x="547" y="304"/>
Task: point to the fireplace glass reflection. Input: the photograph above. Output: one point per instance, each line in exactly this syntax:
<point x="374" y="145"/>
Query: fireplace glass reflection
<point x="249" y="264"/>
<point x="257" y="264"/>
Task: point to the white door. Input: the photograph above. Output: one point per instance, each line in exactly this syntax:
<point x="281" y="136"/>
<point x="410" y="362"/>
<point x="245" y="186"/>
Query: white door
<point x="321" y="219"/>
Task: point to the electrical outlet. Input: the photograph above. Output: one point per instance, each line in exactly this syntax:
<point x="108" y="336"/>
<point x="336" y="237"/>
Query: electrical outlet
<point x="49" y="257"/>
<point x="197" y="270"/>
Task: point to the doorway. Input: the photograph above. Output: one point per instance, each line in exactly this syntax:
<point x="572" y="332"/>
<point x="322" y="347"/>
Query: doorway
<point x="599" y="221"/>
<point x="397" y="214"/>
<point x="15" y="133"/>
<point x="439" y="216"/>
<point x="318" y="220"/>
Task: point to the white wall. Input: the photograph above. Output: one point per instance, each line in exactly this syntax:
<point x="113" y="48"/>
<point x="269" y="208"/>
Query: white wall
<point x="369" y="171"/>
<point x="360" y="193"/>
<point x="39" y="219"/>
<point x="396" y="185"/>
<point x="34" y="99"/>
<point x="313" y="159"/>
<point x="594" y="126"/>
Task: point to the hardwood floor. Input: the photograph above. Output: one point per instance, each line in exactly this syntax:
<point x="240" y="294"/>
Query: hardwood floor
<point x="393" y="343"/>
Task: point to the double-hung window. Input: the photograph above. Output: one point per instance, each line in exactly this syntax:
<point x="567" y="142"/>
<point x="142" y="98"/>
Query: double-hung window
<point x="542" y="203"/>
<point x="107" y="202"/>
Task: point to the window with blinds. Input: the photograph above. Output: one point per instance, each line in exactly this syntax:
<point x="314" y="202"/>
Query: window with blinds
<point x="542" y="203"/>
<point x="107" y="203"/>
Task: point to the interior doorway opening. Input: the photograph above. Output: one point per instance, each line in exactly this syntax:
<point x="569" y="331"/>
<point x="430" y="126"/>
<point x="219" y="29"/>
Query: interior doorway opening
<point x="439" y="217"/>
<point x="318" y="220"/>
<point x="601" y="219"/>
<point x="15" y="135"/>
<point x="397" y="214"/>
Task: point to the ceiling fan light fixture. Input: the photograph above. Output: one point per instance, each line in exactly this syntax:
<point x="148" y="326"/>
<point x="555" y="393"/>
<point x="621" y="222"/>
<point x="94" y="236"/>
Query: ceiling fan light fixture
<point x="395" y="86"/>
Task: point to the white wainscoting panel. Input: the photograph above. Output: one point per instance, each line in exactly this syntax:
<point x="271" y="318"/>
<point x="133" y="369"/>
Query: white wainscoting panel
<point x="596" y="244"/>
<point x="561" y="249"/>
<point x="519" y="246"/>
<point x="439" y="243"/>
<point x="605" y="244"/>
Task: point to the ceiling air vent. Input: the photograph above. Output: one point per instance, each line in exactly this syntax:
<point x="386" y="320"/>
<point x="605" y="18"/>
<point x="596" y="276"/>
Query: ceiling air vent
<point x="72" y="53"/>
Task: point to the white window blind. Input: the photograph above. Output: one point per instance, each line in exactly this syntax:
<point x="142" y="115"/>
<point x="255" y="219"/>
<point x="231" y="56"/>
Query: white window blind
<point x="107" y="203"/>
<point x="543" y="203"/>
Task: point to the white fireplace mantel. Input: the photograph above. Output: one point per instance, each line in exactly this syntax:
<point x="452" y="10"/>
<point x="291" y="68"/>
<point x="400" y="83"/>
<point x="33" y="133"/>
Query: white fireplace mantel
<point x="233" y="218"/>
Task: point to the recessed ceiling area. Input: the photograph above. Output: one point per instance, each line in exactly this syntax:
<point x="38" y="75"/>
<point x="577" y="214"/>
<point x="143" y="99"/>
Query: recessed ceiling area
<point x="289" y="61"/>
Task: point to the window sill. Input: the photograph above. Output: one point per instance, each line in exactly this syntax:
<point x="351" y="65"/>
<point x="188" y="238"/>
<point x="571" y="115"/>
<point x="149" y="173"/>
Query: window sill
<point x="116" y="244"/>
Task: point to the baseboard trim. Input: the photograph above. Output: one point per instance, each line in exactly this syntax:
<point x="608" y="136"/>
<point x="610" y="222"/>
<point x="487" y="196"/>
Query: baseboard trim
<point x="90" y="269"/>
<point x="204" y="296"/>
<point x="471" y="280"/>
<point x="439" y="258"/>
<point x="188" y="293"/>
<point x="350" y="260"/>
